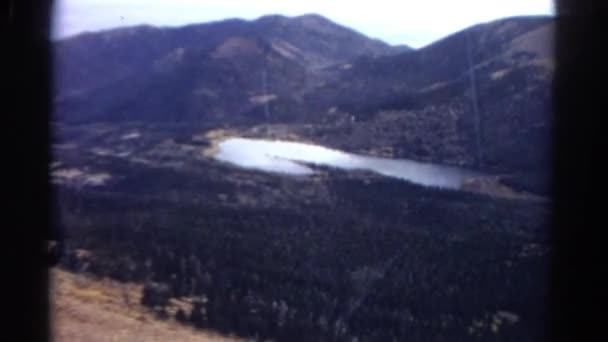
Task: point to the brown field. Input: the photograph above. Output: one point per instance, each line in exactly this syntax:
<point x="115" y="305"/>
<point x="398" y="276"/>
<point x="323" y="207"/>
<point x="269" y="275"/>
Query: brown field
<point x="86" y="309"/>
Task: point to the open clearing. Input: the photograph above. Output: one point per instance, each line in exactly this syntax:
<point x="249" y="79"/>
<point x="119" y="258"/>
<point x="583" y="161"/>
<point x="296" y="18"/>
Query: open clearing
<point x="85" y="309"/>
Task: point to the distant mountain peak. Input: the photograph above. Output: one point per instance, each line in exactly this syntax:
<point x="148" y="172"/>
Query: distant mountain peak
<point x="312" y="18"/>
<point x="308" y="17"/>
<point x="272" y="18"/>
<point x="318" y="23"/>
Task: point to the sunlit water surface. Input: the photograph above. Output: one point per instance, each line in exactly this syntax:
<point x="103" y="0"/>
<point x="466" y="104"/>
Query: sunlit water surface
<point x="292" y="158"/>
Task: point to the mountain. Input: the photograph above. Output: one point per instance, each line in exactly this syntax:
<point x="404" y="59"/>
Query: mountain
<point x="92" y="60"/>
<point x="479" y="97"/>
<point x="199" y="71"/>
<point x="339" y="255"/>
<point x="421" y="104"/>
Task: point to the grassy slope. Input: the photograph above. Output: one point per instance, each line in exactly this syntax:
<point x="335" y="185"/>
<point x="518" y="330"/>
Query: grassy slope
<point x="91" y="310"/>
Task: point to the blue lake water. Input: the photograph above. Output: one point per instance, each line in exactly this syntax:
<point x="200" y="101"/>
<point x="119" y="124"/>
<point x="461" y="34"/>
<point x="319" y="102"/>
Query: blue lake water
<point x="294" y="158"/>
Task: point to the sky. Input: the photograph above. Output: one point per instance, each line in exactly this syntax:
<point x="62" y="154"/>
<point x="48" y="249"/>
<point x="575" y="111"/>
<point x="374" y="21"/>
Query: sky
<point x="415" y="23"/>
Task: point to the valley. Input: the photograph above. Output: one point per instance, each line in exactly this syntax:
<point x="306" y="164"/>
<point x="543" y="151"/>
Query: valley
<point x="243" y="242"/>
<point x="334" y="254"/>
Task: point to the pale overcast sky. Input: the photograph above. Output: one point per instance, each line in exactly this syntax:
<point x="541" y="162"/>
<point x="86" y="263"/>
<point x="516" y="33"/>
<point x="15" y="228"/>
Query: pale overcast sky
<point x="416" y="23"/>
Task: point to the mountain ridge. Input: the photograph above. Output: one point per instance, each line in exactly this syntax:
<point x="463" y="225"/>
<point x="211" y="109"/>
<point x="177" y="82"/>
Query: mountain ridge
<point x="152" y="42"/>
<point x="416" y="103"/>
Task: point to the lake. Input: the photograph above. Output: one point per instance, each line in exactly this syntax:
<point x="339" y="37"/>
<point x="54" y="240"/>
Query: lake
<point x="295" y="158"/>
